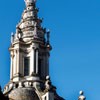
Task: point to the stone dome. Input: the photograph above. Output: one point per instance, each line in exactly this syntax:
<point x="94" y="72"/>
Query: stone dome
<point x="23" y="94"/>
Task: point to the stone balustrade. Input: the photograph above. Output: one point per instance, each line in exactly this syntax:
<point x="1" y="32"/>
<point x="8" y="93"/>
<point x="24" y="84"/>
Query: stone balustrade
<point x="20" y="84"/>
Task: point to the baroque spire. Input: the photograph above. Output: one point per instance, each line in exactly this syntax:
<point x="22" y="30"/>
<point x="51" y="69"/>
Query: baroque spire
<point x="30" y="52"/>
<point x="29" y="26"/>
<point x="31" y="43"/>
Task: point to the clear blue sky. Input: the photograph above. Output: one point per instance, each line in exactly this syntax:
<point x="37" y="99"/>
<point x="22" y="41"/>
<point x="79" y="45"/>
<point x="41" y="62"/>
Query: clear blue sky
<point x="75" y="37"/>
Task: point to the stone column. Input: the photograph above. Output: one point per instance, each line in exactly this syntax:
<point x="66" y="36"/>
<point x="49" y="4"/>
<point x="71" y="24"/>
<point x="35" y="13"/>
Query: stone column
<point x="36" y="61"/>
<point x="18" y="64"/>
<point x="14" y="64"/>
<point x="46" y="64"/>
<point x="32" y="62"/>
<point x="11" y="64"/>
<point x="47" y="70"/>
<point x="11" y="69"/>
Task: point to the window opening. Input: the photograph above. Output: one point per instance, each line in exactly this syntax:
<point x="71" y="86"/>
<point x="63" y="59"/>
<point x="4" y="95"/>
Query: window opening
<point x="26" y="66"/>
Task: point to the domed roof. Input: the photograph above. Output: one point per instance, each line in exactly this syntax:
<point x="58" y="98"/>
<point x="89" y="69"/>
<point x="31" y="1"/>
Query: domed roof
<point x="23" y="94"/>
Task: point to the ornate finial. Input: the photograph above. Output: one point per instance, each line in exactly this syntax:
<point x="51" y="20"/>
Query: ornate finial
<point x="18" y="32"/>
<point x="48" y="36"/>
<point x="81" y="97"/>
<point x="29" y="2"/>
<point x="47" y="77"/>
<point x="48" y="40"/>
<point x="48" y="84"/>
<point x="12" y="37"/>
<point x="12" y="33"/>
<point x="81" y="92"/>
